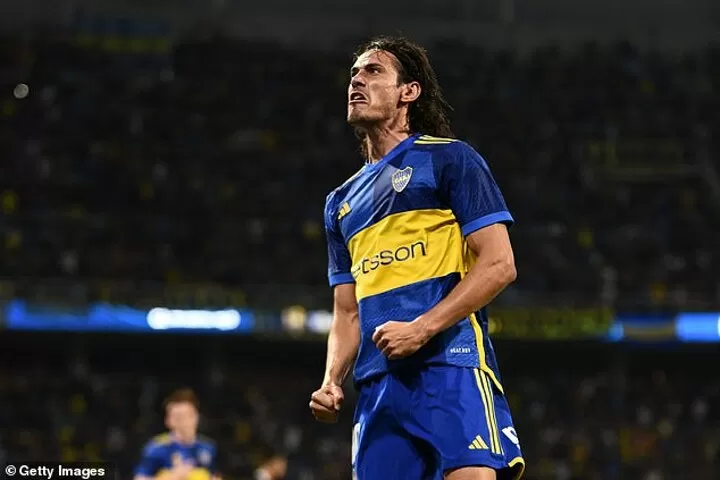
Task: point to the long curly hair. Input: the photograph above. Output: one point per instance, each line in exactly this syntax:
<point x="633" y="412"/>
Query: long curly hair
<point x="429" y="114"/>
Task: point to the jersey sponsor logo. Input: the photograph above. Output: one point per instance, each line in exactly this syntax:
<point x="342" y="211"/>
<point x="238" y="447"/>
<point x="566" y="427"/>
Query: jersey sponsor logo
<point x="401" y="178"/>
<point x="406" y="248"/>
<point x="511" y="434"/>
<point x="385" y="258"/>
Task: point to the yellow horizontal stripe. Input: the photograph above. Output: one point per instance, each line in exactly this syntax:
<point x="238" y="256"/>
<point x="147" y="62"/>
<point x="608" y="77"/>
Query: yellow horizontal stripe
<point x="431" y="142"/>
<point x="194" y="474"/>
<point x="405" y="248"/>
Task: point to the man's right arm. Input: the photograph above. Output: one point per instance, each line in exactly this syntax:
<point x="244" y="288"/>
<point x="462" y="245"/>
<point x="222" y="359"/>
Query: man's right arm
<point x="344" y="337"/>
<point x="343" y="344"/>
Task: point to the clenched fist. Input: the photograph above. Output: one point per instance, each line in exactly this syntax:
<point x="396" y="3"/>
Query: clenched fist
<point x="326" y="402"/>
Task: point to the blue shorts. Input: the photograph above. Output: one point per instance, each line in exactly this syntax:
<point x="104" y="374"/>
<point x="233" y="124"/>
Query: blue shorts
<point x="418" y="423"/>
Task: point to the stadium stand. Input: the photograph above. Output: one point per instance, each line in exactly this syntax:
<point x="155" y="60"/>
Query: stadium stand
<point x="187" y="171"/>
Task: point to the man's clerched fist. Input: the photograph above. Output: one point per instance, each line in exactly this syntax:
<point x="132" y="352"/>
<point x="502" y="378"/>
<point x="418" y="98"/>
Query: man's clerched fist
<point x="326" y="402"/>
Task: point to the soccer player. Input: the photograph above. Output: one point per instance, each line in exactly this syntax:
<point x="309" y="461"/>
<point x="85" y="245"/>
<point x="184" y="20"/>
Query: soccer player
<point x="418" y="246"/>
<point x="180" y="454"/>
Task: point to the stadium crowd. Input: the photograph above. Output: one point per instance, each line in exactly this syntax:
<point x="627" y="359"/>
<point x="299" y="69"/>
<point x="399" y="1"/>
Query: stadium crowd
<point x="211" y="165"/>
<point x="610" y="414"/>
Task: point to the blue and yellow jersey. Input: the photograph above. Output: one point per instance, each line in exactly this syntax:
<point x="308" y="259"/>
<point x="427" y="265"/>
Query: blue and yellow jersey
<point x="397" y="230"/>
<point x="163" y="451"/>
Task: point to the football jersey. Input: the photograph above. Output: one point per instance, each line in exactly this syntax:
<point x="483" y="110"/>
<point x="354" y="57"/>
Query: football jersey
<point x="397" y="229"/>
<point x="163" y="451"/>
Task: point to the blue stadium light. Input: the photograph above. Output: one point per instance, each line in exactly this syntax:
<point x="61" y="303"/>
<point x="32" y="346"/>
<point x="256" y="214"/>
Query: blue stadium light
<point x="698" y="327"/>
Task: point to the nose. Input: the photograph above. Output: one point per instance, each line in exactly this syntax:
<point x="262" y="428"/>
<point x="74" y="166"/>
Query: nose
<point x="357" y="81"/>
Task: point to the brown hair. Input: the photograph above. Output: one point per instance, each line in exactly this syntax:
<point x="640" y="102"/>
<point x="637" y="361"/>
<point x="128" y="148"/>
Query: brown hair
<point x="182" y="395"/>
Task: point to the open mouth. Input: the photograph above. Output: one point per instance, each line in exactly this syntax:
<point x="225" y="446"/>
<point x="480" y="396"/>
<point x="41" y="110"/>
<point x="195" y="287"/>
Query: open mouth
<point x="357" y="97"/>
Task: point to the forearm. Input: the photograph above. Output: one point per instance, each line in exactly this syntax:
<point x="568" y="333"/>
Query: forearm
<point x="481" y="285"/>
<point x="342" y="346"/>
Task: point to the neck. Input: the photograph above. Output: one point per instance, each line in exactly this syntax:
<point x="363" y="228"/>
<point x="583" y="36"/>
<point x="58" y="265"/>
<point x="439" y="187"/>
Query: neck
<point x="381" y="139"/>
<point x="184" y="438"/>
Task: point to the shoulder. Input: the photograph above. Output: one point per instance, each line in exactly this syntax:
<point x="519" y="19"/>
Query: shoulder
<point x="344" y="186"/>
<point x="332" y="198"/>
<point x="444" y="148"/>
<point x="205" y="442"/>
<point x="347" y="183"/>
<point x="449" y="155"/>
<point x="330" y="206"/>
<point x="157" y="444"/>
<point x="161" y="439"/>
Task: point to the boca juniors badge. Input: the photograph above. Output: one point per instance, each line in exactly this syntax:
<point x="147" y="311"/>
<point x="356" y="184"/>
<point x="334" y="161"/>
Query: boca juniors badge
<point x="401" y="178"/>
<point x="204" y="457"/>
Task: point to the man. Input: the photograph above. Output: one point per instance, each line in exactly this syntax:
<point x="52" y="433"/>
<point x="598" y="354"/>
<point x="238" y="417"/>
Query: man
<point x="179" y="454"/>
<point x="418" y="246"/>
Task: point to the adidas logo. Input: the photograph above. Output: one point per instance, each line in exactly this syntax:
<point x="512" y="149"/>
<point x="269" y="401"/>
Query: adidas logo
<point x="344" y="210"/>
<point x="478" y="444"/>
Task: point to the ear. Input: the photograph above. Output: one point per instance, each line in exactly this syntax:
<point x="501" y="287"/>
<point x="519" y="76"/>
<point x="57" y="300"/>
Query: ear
<point x="410" y="92"/>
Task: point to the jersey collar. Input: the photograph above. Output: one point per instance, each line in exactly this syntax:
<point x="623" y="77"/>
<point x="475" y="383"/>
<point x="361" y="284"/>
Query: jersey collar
<point x="399" y="148"/>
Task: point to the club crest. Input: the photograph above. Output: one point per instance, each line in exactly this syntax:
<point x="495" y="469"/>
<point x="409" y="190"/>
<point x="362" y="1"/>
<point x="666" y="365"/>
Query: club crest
<point x="204" y="457"/>
<point x="401" y="178"/>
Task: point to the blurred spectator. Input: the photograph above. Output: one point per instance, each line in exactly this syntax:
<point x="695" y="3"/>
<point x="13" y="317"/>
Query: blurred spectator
<point x="212" y="166"/>
<point x="582" y="412"/>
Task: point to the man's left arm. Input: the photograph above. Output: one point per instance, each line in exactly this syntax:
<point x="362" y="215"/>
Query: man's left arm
<point x="213" y="467"/>
<point x="494" y="269"/>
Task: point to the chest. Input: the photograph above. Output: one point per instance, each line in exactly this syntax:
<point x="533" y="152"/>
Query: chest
<point x="385" y="191"/>
<point x="197" y="456"/>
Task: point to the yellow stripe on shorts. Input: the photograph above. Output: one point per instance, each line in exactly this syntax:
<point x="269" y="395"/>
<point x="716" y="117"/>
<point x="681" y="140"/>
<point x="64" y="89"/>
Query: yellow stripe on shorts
<point x="493" y="415"/>
<point x="489" y="405"/>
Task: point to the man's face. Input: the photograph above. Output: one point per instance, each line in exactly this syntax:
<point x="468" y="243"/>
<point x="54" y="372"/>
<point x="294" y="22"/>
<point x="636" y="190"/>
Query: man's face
<point x="182" y="417"/>
<point x="373" y="93"/>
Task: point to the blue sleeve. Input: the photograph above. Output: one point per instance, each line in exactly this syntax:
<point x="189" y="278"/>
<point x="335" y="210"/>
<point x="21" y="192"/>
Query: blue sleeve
<point x="213" y="467"/>
<point x="466" y="183"/>
<point x="339" y="262"/>
<point x="149" y="464"/>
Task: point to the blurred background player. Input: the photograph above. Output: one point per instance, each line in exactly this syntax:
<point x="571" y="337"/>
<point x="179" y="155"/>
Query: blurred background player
<point x="179" y="454"/>
<point x="418" y="245"/>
